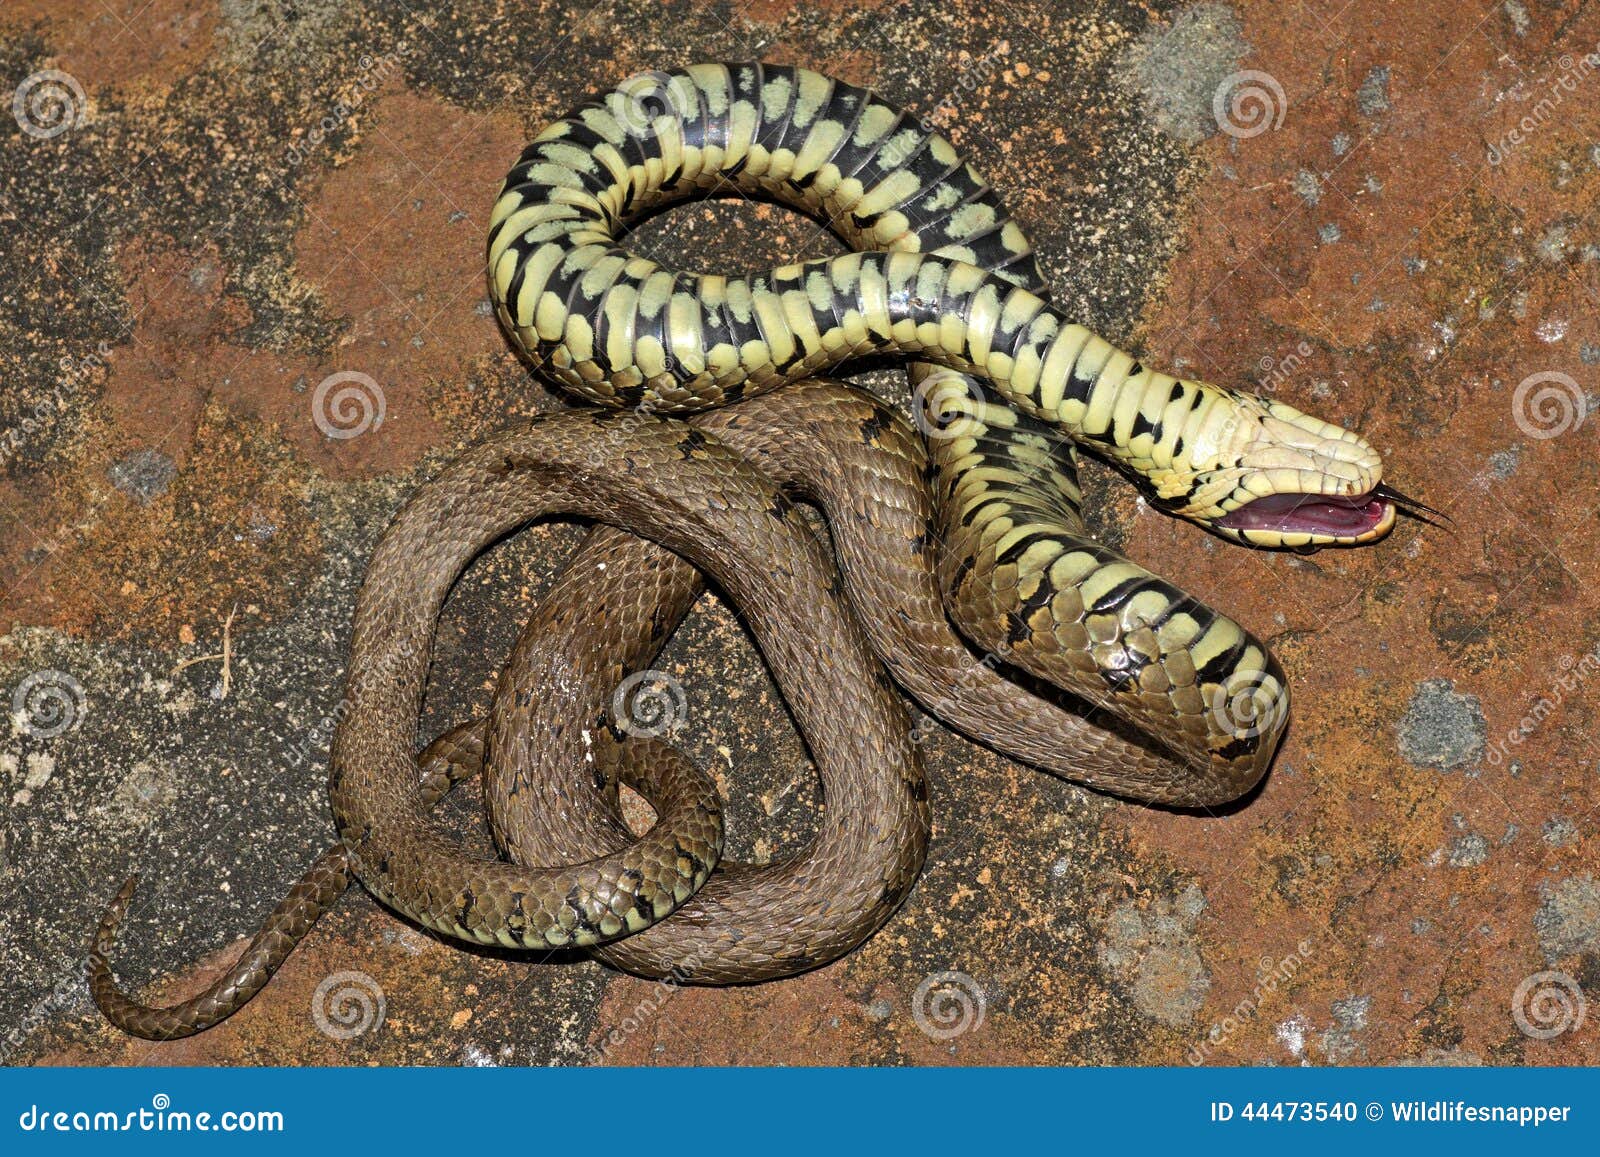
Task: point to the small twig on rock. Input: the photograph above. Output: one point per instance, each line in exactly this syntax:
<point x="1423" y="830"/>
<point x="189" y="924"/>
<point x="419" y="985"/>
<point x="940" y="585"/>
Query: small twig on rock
<point x="226" y="654"/>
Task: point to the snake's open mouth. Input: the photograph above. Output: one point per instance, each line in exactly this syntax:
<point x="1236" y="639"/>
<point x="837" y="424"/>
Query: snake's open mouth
<point x="1321" y="514"/>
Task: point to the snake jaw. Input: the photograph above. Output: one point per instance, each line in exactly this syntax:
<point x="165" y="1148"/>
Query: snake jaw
<point x="1278" y="478"/>
<point x="1307" y="522"/>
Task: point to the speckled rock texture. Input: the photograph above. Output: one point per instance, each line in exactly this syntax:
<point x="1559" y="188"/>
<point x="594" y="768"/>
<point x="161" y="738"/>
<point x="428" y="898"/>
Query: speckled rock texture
<point x="243" y="313"/>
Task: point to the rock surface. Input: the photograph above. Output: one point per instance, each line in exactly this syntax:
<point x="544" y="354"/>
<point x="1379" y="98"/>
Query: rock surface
<point x="256" y="209"/>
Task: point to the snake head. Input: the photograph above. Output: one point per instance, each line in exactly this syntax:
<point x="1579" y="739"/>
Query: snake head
<point x="1260" y="472"/>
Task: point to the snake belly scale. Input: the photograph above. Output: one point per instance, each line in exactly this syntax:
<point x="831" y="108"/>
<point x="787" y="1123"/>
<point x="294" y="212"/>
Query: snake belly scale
<point x="1008" y="391"/>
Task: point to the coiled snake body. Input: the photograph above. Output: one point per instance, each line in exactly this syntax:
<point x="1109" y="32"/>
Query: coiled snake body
<point x="1006" y="389"/>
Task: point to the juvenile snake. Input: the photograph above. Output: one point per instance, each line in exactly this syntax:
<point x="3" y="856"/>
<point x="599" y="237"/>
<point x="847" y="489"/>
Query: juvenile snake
<point x="1002" y="383"/>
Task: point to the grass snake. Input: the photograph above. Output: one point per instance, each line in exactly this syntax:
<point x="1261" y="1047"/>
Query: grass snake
<point x="708" y="422"/>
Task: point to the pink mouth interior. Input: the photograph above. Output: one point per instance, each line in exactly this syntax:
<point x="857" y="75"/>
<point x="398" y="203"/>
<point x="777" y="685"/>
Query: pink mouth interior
<point x="1309" y="514"/>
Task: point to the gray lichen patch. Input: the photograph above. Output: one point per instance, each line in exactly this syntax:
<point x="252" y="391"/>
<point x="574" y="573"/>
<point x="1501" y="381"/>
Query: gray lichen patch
<point x="1560" y="832"/>
<point x="1569" y="919"/>
<point x="1307" y="186"/>
<point x="149" y="789"/>
<point x="1503" y="463"/>
<point x="1372" y="98"/>
<point x="1442" y="728"/>
<point x="1341" y="1043"/>
<point x="1178" y="69"/>
<point x="144" y="474"/>
<point x="1152" y="955"/>
<point x="1468" y="851"/>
